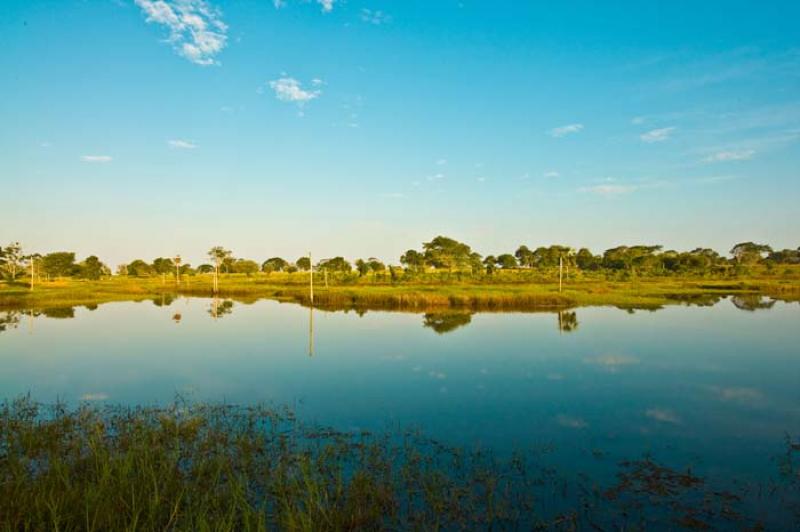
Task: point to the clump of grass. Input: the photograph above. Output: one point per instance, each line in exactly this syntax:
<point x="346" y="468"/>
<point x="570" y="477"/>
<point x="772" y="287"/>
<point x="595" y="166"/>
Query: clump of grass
<point x="235" y="468"/>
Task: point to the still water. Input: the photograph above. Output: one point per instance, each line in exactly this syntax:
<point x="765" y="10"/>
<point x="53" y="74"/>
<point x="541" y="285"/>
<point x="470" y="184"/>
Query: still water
<point x="715" y="388"/>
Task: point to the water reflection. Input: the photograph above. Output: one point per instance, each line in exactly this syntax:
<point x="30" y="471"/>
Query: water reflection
<point x="751" y="303"/>
<point x="567" y="321"/>
<point x="219" y="308"/>
<point x="446" y="322"/>
<point x="9" y="320"/>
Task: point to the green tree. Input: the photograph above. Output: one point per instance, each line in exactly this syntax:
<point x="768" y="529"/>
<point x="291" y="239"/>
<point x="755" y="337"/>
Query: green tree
<point x="140" y="268"/>
<point x="413" y="260"/>
<point x="205" y="268"/>
<point x="585" y="260"/>
<point x="375" y="265"/>
<point x="11" y="260"/>
<point x="490" y="263"/>
<point x="444" y="252"/>
<point x="362" y="267"/>
<point x="275" y="264"/>
<point x="749" y="252"/>
<point x="59" y="264"/>
<point x="524" y="256"/>
<point x="507" y="261"/>
<point x="92" y="268"/>
<point x="163" y="266"/>
<point x="303" y="263"/>
<point x="336" y="264"/>
<point x="244" y="266"/>
<point x="221" y="257"/>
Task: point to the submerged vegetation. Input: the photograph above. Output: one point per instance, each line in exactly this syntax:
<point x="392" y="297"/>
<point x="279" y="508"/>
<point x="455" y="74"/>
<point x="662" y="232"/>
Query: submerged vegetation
<point x="195" y="466"/>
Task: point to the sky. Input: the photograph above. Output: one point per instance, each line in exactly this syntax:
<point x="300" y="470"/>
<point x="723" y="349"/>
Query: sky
<point x="145" y="128"/>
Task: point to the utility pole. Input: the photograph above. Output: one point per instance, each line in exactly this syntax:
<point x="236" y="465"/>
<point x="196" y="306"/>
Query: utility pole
<point x="311" y="278"/>
<point x="216" y="275"/>
<point x="33" y="270"/>
<point x="560" y="271"/>
<point x="177" y="269"/>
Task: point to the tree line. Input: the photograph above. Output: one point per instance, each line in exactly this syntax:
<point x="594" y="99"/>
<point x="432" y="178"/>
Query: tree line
<point x="442" y="254"/>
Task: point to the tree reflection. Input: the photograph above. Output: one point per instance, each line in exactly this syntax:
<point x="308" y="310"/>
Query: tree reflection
<point x="220" y="308"/>
<point x="567" y="321"/>
<point x="60" y="313"/>
<point x="751" y="303"/>
<point x="446" y="322"/>
<point x="9" y="320"/>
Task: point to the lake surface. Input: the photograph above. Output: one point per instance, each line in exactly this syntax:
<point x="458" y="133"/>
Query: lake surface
<point x="714" y="388"/>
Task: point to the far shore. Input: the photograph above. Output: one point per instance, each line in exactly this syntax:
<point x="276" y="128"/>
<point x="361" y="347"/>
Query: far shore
<point x="500" y="293"/>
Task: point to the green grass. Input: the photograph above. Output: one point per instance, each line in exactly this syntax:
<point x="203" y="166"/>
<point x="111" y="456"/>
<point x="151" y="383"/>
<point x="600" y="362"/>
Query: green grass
<point x="223" y="467"/>
<point x="505" y="291"/>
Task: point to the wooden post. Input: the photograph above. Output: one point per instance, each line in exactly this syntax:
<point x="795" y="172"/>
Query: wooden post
<point x="326" y="278"/>
<point x="311" y="278"/>
<point x="177" y="269"/>
<point x="33" y="271"/>
<point x="560" y="271"/>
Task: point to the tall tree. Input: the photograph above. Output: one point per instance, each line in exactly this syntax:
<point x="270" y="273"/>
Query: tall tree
<point x="11" y="260"/>
<point x="749" y="252"/>
<point x="59" y="264"/>
<point x="275" y="264"/>
<point x="444" y="252"/>
<point x="92" y="268"/>
<point x="303" y="263"/>
<point x="413" y="260"/>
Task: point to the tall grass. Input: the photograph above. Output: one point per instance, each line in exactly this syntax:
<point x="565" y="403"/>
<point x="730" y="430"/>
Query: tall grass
<point x="222" y="467"/>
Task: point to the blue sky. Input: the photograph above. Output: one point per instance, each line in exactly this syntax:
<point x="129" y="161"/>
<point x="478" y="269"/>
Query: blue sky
<point x="142" y="128"/>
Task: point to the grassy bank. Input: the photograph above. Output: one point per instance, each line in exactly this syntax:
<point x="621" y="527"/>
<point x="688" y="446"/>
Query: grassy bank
<point x="502" y="292"/>
<point x="202" y="467"/>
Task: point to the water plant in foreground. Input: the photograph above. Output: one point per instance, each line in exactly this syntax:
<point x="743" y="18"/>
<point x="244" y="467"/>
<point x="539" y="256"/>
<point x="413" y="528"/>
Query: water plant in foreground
<point x="223" y="467"/>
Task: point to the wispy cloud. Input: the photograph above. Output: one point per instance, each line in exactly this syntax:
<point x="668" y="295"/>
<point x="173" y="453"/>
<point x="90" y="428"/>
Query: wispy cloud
<point x="96" y="158"/>
<point x="563" y="131"/>
<point x="608" y="189"/>
<point x="441" y="162"/>
<point x="551" y="173"/>
<point x="664" y="415"/>
<point x="657" y="135"/>
<point x="327" y="5"/>
<point x="288" y="89"/>
<point x="393" y="195"/>
<point x="571" y="422"/>
<point x="94" y="396"/>
<point x="733" y="155"/>
<point x="181" y="144"/>
<point x="375" y="17"/>
<point x="196" y="29"/>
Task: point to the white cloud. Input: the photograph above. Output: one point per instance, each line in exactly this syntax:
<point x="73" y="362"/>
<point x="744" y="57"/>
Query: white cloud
<point x="657" y="135"/>
<point x="290" y="90"/>
<point x="327" y="5"/>
<point x="96" y="158"/>
<point x="563" y="131"/>
<point x="571" y="422"/>
<point x="725" y="156"/>
<point x="436" y="177"/>
<point x="638" y="120"/>
<point x="608" y="189"/>
<point x="196" y="29"/>
<point x="663" y="415"/>
<point x="551" y="173"/>
<point x="375" y="17"/>
<point x="94" y="396"/>
<point x="181" y="144"/>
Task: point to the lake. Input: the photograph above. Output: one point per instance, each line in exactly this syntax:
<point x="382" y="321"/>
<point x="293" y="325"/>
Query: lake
<point x="714" y="388"/>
